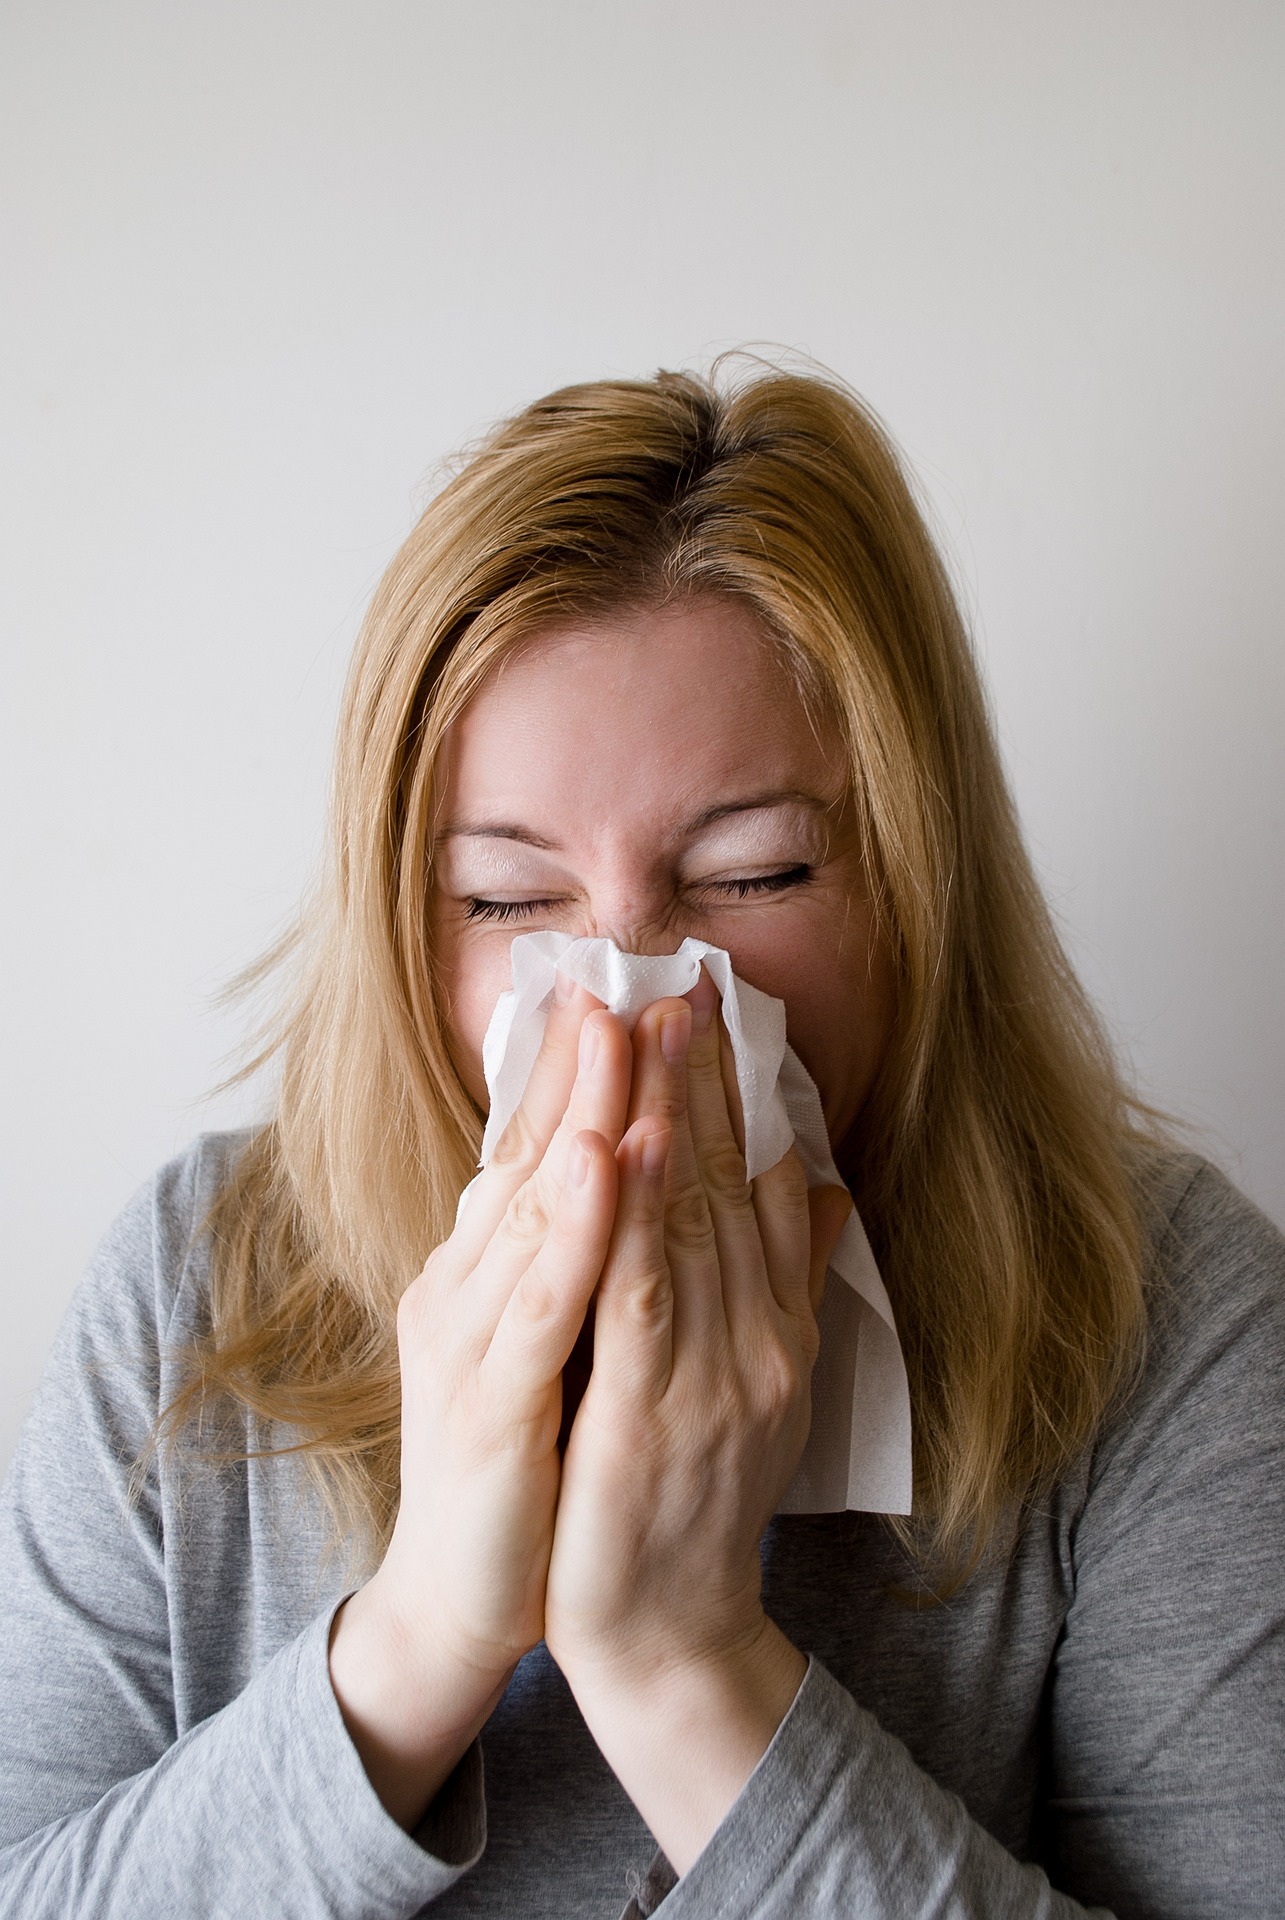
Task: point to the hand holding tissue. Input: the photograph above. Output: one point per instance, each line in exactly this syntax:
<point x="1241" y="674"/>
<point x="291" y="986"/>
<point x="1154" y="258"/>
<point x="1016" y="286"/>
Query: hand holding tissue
<point x="858" y="1453"/>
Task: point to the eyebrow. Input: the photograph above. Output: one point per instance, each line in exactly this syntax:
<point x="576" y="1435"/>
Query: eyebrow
<point x="498" y="830"/>
<point x="752" y="803"/>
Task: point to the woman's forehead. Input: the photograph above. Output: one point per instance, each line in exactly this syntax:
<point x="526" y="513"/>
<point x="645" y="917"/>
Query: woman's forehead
<point x="683" y="709"/>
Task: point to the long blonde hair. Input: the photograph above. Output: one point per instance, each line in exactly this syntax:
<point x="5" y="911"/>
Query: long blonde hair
<point x="997" y="1172"/>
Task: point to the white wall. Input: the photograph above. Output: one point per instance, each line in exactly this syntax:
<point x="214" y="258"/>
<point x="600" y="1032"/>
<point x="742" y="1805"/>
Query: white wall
<point x="266" y="263"/>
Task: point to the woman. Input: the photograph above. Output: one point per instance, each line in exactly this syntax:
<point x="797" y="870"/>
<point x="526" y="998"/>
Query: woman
<point x="298" y="1517"/>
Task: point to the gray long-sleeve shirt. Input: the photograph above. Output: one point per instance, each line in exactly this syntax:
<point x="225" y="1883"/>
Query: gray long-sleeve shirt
<point x="1102" y="1714"/>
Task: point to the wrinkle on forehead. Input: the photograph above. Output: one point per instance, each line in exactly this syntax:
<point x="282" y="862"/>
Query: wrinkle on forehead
<point x="670" y="717"/>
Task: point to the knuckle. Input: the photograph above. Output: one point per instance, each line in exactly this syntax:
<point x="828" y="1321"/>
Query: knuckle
<point x="408" y="1315"/>
<point x="526" y="1218"/>
<point x="723" y="1168"/>
<point x="647" y="1300"/>
<point x="536" y="1299"/>
<point x="430" y="1274"/>
<point x="648" y="1208"/>
<point x="415" y="1305"/>
<point x="785" y="1186"/>
<point x="779" y="1382"/>
<point x="517" y="1146"/>
<point x="794" y="1182"/>
<point x="687" y="1220"/>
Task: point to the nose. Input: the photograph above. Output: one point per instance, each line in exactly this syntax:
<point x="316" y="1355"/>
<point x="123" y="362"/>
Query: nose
<point x="652" y="934"/>
<point x="633" y="900"/>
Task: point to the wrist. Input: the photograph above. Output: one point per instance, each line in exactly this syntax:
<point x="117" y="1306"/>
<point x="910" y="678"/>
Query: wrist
<point x="683" y="1736"/>
<point x="411" y="1713"/>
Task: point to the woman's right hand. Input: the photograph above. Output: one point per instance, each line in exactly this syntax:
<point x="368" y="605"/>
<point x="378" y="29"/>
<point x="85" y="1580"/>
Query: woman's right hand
<point x="420" y="1655"/>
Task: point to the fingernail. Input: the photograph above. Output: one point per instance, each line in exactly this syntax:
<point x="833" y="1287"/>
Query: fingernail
<point x="588" y="1045"/>
<point x="675" y="1033"/>
<point x="578" y="1165"/>
<point x="702" y="1000"/>
<point x="563" y="988"/>
<point x="654" y="1152"/>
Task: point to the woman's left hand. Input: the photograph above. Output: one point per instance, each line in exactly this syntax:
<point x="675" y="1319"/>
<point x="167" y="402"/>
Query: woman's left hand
<point x="689" y="1432"/>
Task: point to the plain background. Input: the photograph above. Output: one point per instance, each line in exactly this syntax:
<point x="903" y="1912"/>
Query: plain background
<point x="266" y="264"/>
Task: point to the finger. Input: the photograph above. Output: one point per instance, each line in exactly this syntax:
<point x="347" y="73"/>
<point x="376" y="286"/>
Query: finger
<point x="633" y="1335"/>
<point x="731" y="1085"/>
<point x="718" y="1151"/>
<point x="720" y="1161"/>
<point x="544" y="1098"/>
<point x="600" y="1094"/>
<point x="580" y="1081"/>
<point x="523" y="1142"/>
<point x="599" y="1100"/>
<point x="662" y="1042"/>
<point x="781" y="1210"/>
<point x="662" y="1036"/>
<point x="545" y="1309"/>
<point x="829" y="1209"/>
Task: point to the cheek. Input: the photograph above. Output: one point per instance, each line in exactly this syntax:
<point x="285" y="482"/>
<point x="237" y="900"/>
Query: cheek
<point x="837" y="984"/>
<point x="473" y="974"/>
<point x="839" y="1027"/>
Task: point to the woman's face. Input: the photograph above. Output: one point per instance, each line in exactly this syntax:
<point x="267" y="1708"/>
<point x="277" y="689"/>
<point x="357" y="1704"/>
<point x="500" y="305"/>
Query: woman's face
<point x="649" y="777"/>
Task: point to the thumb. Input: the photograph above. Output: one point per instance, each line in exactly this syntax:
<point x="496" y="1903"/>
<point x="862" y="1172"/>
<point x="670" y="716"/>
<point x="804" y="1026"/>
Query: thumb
<point x="829" y="1210"/>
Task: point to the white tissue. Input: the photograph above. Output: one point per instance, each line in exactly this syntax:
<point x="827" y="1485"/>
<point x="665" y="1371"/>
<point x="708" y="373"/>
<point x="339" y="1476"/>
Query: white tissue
<point x="858" y="1450"/>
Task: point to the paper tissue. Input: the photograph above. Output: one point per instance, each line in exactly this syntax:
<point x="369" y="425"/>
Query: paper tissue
<point x="858" y="1451"/>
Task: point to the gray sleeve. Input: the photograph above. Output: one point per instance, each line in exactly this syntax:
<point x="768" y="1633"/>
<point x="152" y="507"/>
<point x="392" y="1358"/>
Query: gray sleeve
<point x="1166" y="1791"/>
<point x="838" y="1821"/>
<point x="1168" y="1761"/>
<point x="263" y="1807"/>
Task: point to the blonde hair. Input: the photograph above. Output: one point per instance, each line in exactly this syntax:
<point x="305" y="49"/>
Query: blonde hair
<point x="998" y="1168"/>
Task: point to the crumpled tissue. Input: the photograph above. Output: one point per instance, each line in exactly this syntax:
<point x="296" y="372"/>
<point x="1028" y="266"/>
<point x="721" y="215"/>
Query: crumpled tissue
<point x="858" y="1454"/>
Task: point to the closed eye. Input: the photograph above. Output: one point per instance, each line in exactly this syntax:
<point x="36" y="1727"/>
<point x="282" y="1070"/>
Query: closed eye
<point x="476" y="909"/>
<point x="794" y="876"/>
<point x="741" y="887"/>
